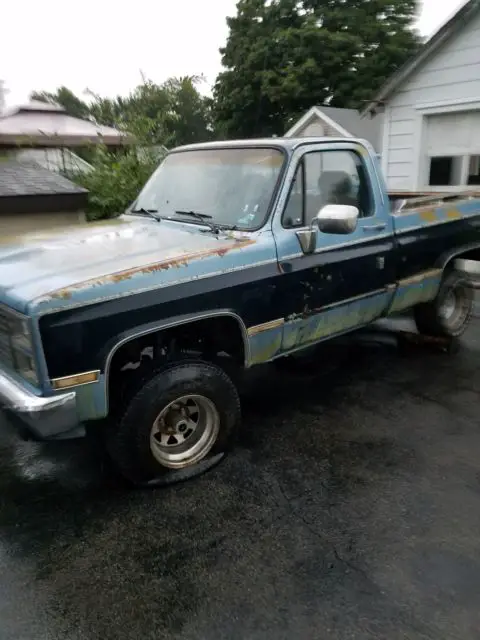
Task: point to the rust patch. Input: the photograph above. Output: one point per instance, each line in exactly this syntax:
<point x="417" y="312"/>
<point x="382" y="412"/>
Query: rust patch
<point x="362" y="150"/>
<point x="453" y="214"/>
<point x="173" y="263"/>
<point x="428" y="215"/>
<point x="266" y="326"/>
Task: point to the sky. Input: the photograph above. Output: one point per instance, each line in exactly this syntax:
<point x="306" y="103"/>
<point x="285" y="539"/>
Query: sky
<point x="105" y="45"/>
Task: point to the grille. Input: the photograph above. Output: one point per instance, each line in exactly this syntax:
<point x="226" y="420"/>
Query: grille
<point x="6" y="356"/>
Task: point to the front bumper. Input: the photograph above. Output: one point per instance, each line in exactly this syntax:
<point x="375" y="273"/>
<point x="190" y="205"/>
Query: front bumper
<point x="44" y="417"/>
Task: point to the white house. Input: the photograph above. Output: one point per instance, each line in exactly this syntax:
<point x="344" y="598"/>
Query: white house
<point x="338" y="123"/>
<point x="431" y="108"/>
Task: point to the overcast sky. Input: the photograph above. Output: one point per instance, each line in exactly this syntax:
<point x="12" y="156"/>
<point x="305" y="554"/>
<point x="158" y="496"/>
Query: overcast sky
<point x="104" y="44"/>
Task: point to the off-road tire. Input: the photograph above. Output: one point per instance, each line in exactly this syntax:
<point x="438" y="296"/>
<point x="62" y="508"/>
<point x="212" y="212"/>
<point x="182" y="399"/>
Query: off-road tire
<point x="429" y="319"/>
<point x="127" y="435"/>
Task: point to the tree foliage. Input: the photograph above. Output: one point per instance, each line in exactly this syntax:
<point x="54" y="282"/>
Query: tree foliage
<point x="284" y="56"/>
<point x="165" y="115"/>
<point x="116" y="179"/>
<point x="74" y="105"/>
<point x="168" y="114"/>
<point x="281" y="58"/>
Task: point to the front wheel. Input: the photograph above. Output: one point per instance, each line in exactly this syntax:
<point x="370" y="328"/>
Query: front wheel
<point x="450" y="313"/>
<point x="180" y="423"/>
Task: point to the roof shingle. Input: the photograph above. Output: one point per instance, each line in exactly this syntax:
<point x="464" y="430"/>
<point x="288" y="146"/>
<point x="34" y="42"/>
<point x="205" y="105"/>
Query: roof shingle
<point x="29" y="179"/>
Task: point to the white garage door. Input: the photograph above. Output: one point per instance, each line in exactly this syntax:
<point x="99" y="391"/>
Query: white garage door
<point x="453" y="133"/>
<point x="453" y="149"/>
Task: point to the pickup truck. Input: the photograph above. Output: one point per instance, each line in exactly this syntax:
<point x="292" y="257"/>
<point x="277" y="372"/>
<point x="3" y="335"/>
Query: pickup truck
<point x="234" y="254"/>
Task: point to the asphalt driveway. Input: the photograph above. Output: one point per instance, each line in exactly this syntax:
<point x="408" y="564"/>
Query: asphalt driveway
<point x="351" y="509"/>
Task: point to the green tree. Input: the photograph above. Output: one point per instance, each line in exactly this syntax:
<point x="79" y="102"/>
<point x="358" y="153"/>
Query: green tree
<point x="63" y="96"/>
<point x="141" y="112"/>
<point x="170" y="114"/>
<point x="115" y="179"/>
<point x="284" y="56"/>
<point x="188" y="118"/>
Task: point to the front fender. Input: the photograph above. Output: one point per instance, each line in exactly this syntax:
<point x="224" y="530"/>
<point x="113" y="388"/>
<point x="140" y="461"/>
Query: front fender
<point x="120" y="340"/>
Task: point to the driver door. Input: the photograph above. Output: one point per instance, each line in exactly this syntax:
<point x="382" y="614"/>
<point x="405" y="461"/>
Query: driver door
<point x="346" y="281"/>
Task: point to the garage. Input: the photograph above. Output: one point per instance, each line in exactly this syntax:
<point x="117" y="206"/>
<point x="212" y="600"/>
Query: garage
<point x="453" y="148"/>
<point x="431" y="108"/>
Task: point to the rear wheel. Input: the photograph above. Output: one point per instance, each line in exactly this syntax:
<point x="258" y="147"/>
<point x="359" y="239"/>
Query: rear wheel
<point x="450" y="313"/>
<point x="181" y="422"/>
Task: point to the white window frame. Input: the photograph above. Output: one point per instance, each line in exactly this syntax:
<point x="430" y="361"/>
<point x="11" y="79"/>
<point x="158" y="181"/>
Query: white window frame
<point x="421" y="164"/>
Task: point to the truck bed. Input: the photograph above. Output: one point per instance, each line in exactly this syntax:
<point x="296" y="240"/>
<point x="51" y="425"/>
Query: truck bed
<point x="447" y="201"/>
<point x="430" y="211"/>
<point x="407" y="195"/>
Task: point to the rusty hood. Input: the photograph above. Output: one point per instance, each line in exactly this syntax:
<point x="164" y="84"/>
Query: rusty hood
<point x="111" y="259"/>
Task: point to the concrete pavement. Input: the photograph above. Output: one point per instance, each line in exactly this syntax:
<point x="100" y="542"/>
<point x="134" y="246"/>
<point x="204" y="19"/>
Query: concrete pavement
<point x="350" y="509"/>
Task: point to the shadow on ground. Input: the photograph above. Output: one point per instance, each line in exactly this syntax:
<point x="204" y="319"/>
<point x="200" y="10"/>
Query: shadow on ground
<point x="350" y="509"/>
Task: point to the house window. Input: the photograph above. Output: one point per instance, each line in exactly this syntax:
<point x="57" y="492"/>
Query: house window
<point x="473" y="170"/>
<point x="445" y="171"/>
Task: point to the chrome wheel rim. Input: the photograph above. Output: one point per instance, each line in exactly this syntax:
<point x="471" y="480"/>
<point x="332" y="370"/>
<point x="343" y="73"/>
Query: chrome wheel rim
<point x="184" y="431"/>
<point x="455" y="308"/>
<point x="448" y="306"/>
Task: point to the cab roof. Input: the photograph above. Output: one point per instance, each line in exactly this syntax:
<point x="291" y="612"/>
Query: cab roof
<point x="287" y="144"/>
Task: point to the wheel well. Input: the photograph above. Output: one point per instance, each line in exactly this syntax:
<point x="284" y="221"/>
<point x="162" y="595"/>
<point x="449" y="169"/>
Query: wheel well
<point x="219" y="338"/>
<point x="471" y="254"/>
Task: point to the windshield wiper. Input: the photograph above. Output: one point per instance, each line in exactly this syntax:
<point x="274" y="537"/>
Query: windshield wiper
<point x="148" y="212"/>
<point x="195" y="214"/>
<point x="201" y="217"/>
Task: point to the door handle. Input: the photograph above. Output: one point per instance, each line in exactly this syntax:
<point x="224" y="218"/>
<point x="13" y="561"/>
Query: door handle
<point x="375" y="227"/>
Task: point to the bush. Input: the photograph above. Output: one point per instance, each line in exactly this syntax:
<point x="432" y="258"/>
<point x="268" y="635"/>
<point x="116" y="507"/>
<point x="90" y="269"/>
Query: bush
<point x="116" y="179"/>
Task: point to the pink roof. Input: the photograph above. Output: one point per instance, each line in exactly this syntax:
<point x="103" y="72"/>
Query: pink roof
<point x="45" y="124"/>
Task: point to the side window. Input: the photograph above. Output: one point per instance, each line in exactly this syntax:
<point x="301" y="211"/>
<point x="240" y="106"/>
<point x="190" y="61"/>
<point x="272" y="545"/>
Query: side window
<point x="336" y="177"/>
<point x="293" y="213"/>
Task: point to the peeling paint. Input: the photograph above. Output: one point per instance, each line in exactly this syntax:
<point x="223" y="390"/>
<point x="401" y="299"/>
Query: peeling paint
<point x="266" y="326"/>
<point x="319" y="324"/>
<point x="173" y="263"/>
<point x="420" y="288"/>
<point x="363" y="151"/>
<point x="453" y="214"/>
<point x="428" y="215"/>
<point x="265" y="346"/>
<point x="314" y="325"/>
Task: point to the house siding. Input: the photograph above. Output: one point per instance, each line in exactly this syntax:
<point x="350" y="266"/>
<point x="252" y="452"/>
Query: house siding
<point x="451" y="74"/>
<point x="319" y="129"/>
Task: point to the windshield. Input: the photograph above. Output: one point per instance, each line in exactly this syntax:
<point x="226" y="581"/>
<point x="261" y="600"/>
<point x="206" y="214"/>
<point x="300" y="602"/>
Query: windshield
<point x="231" y="187"/>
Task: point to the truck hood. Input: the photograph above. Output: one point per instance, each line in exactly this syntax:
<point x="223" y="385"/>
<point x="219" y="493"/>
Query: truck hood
<point x="108" y="259"/>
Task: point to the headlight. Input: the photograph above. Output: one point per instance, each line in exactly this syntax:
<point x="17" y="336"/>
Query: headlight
<point x="22" y="349"/>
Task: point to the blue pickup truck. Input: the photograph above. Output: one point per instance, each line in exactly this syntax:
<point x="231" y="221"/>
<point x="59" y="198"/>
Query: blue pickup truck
<point x="234" y="254"/>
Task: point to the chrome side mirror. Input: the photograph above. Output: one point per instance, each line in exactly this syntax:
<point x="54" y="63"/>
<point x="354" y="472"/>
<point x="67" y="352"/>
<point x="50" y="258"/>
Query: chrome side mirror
<point x="332" y="218"/>
<point x="336" y="218"/>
